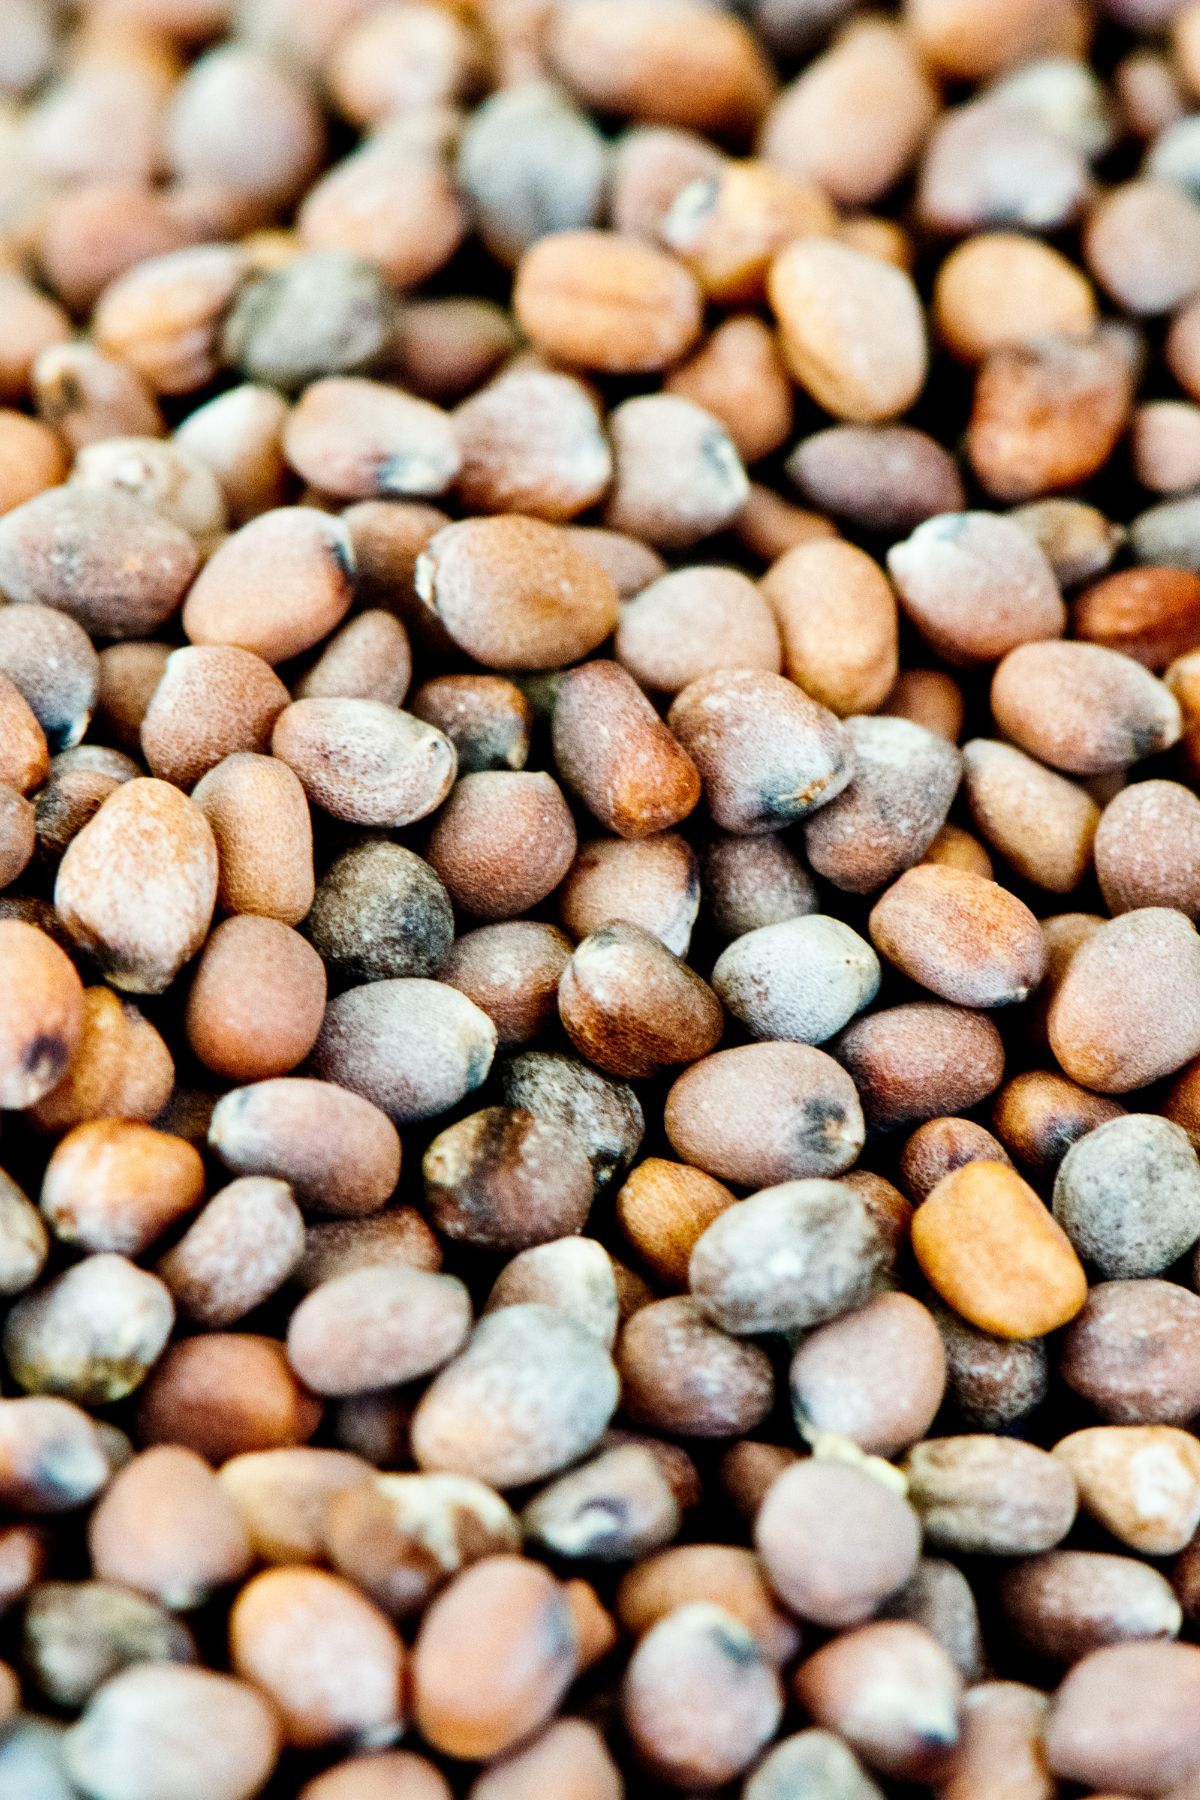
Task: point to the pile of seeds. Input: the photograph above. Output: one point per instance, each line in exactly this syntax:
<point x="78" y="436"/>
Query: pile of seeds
<point x="599" y="847"/>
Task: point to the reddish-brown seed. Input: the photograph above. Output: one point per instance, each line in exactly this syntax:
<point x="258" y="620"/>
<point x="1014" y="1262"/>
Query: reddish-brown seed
<point x="920" y="1060"/>
<point x="632" y="1007"/>
<point x="614" y="752"/>
<point x="967" y="939"/>
<point x="600" y="300"/>
<point x="766" y="1113"/>
<point x="502" y="842"/>
<point x="224" y="1394"/>
<point x="41" y="1013"/>
<point x="277" y="586"/>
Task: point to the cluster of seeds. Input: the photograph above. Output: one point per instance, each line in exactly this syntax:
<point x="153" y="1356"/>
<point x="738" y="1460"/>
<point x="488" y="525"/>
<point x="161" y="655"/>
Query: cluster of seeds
<point x="599" y="856"/>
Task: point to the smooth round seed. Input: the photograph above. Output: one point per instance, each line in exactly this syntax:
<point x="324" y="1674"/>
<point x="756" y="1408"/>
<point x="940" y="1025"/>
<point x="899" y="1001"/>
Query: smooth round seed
<point x="890" y="1691"/>
<point x="632" y="1007"/>
<point x="502" y="842"/>
<point x="1130" y="1353"/>
<point x="903" y="782"/>
<point x="838" y="621"/>
<point x="766" y="1113"/>
<point x="921" y="1060"/>
<point x="239" y="1251"/>
<point x="1128" y="1195"/>
<point x="1067" y="1603"/>
<point x="831" y="301"/>
<point x="337" y="1151"/>
<point x="187" y="1730"/>
<point x="413" y="1048"/>
<point x="682" y="1375"/>
<point x="835" y="1542"/>
<point x="1125" y="1717"/>
<point x="168" y="1528"/>
<point x="511" y="971"/>
<point x="1083" y="708"/>
<point x="802" y="979"/>
<point x="600" y="300"/>
<point x="256" y="1001"/>
<point x="377" y="1328"/>
<point x="115" y="1184"/>
<point x="1125" y="1013"/>
<point x="876" y="1375"/>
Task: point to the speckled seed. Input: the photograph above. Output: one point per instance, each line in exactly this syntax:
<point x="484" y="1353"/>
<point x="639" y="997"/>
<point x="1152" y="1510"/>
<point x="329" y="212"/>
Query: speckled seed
<point x="765" y="1113"/>
<point x="379" y="913"/>
<point x="1068" y="1602"/>
<point x="1128" y="1195"/>
<point x="115" y="1184"/>
<point x="532" y="1392"/>
<point x="990" y="1496"/>
<point x="369" y="658"/>
<point x="1147" y="848"/>
<point x="50" y="658"/>
<point x="1125" y="1718"/>
<point x="1126" y="1013"/>
<point x="991" y="1381"/>
<point x="811" y="1765"/>
<point x="574" y="1274"/>
<point x="1150" y="614"/>
<point x="876" y="1375"/>
<point x="749" y="882"/>
<point x="852" y="329"/>
<point x="835" y="1541"/>
<point x="1131" y="1353"/>
<point x="326" y="312"/>
<point x="967" y="939"/>
<point x="921" y="1060"/>
<point x="1040" y="1115"/>
<point x="724" y="1574"/>
<point x="129" y="674"/>
<point x="199" y="1732"/>
<point x="837" y="617"/>
<point x="486" y="718"/>
<point x="766" y="753"/>
<point x="516" y="593"/>
<point x="377" y="1328"/>
<point x="1083" y="708"/>
<point x="512" y="1622"/>
<point x="677" y="477"/>
<point x="683" y="1376"/>
<point x="890" y="1691"/>
<point x="700" y="1699"/>
<point x="570" y="1756"/>
<point x="239" y="1251"/>
<point x="213" y="700"/>
<point x="802" y="979"/>
<point x="975" y="585"/>
<point x="604" y="301"/>
<point x="41" y="1013"/>
<point x="1142" y="1482"/>
<point x="412" y="1047"/>
<point x="77" y="1634"/>
<point x="1041" y="822"/>
<point x="91" y="1334"/>
<point x="401" y="1538"/>
<point x="138" y="884"/>
<point x="532" y="442"/>
<point x="361" y="440"/>
<point x="364" y="762"/>
<point x="663" y="1209"/>
<point x="614" y="752"/>
<point x="632" y="1007"/>
<point x="330" y="1661"/>
<point x="939" y="1147"/>
<point x="256" y="1001"/>
<point x="994" y="1253"/>
<point x="511" y="971"/>
<point x="502" y="842"/>
<point x="904" y="780"/>
<point x="504" y="1179"/>
<point x="168" y="1528"/>
<point x="693" y="621"/>
<point x="277" y="586"/>
<point x="338" y="1152"/>
<point x="652" y="882"/>
<point x="106" y="559"/>
<point x="399" y="1235"/>
<point x="788" y="1258"/>
<point x="605" y="1115"/>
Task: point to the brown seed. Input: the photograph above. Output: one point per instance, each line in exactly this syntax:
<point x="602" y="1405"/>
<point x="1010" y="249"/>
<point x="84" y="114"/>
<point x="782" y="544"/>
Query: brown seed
<point x="930" y="698"/>
<point x="115" y="1185"/>
<point x="511" y="971"/>
<point x="615" y="753"/>
<point x="876" y="1375"/>
<point x="256" y="1001"/>
<point x="129" y="674"/>
<point x="835" y="1541"/>
<point x="377" y="1328"/>
<point x="516" y="593"/>
<point x="992" y="1381"/>
<point x="486" y="718"/>
<point x="86" y="396"/>
<point x="699" y="1698"/>
<point x="976" y="585"/>
<point x="652" y="882"/>
<point x="837" y="618"/>
<point x="1142" y="243"/>
<point x="890" y="1691"/>
<point x="1124" y="1014"/>
<point x="91" y="1334"/>
<point x="79" y="1633"/>
<point x="225" y="1394"/>
<point x="787" y="1258"/>
<point x="1142" y="1482"/>
<point x="569" y="1757"/>
<point x="358" y="440"/>
<point x="52" y="1455"/>
<point x="168" y="1528"/>
<point x="663" y="1208"/>
<point x="401" y="1538"/>
<point x="51" y="660"/>
<point x="138" y="884"/>
<point x="1125" y="1718"/>
<point x="277" y="586"/>
<point x="1083" y="708"/>
<point x="260" y="822"/>
<point x="512" y="1621"/>
<point x="1042" y="823"/>
<point x="877" y="477"/>
<point x="238" y="1252"/>
<point x="766" y="1113"/>
<point x="41" y="1013"/>
<point x="105" y="558"/>
<point x="722" y="1574"/>
<point x="904" y="780"/>
<point x="164" y="315"/>
<point x="939" y="1147"/>
<point x="18" y="833"/>
<point x="604" y="301"/>
<point x="678" y="478"/>
<point x="1067" y="1603"/>
<point x="121" y="1068"/>
<point x="198" y="1731"/>
<point x="990" y="1496"/>
<point x="921" y="1060"/>
<point x="995" y="1254"/>
<point x="852" y="329"/>
<point x="213" y="701"/>
<point x="502" y="842"/>
<point x="939" y="1598"/>
<point x="532" y="443"/>
<point x="574" y="1274"/>
<point x="749" y="882"/>
<point x="363" y="761"/>
<point x="399" y="1235"/>
<point x="683" y="1376"/>
<point x="1151" y="614"/>
<point x="1001" y="1741"/>
<point x="176" y="484"/>
<point x="504" y="1179"/>
<point x="532" y="1392"/>
<point x="282" y="1495"/>
<point x="633" y="1008"/>
<point x="381" y="1774"/>
<point x="1001" y="288"/>
<point x="412" y="1047"/>
<point x="968" y="940"/>
<point x="693" y="621"/>
<point x="1040" y="1114"/>
<point x="1077" y="538"/>
<point x="1146" y="848"/>
<point x="329" y="1660"/>
<point x="604" y="1114"/>
<point x="738" y="377"/>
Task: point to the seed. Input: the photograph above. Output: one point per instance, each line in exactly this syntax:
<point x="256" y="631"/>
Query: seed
<point x="487" y="719"/>
<point x="990" y="1496"/>
<point x="737" y="376"/>
<point x="502" y="842"/>
<point x="600" y="300"/>
<point x="282" y="1496"/>
<point x="605" y="1115"/>
<point x="532" y="1392"/>
<point x="337" y="1151"/>
<point x="50" y="659"/>
<point x="505" y="1179"/>
<point x="903" y="782"/>
<point x="1142" y="1482"/>
<point x="277" y="586"/>
<point x="693" y="621"/>
<point x="887" y="478"/>
<point x="398" y="1773"/>
<point x="1113" y="1034"/>
<point x="632" y="1007"/>
<point x="79" y="1633"/>
<point x="765" y="1113"/>
<point x="326" y="312"/>
<point x="41" y="1013"/>
<point x="967" y="939"/>
<point x="138" y="884"/>
<point x="1001" y="1739"/>
<point x="1130" y="1353"/>
<point x="1125" y="1718"/>
<point x="751" y="882"/>
<point x="224" y="1394"/>
<point x="994" y="1253"/>
<point x="1067" y="1603"/>
<point x="399" y="1235"/>
<point x="700" y="1699"/>
<point x="835" y="1542"/>
<point x="992" y="1381"/>
<point x="876" y="1375"/>
<point x="168" y="1528"/>
<point x="652" y="882"/>
<point x="939" y="1598"/>
<point x="615" y="753"/>
<point x="91" y="1334"/>
<point x="939" y="1147"/>
<point x="402" y="1538"/>
<point x="831" y="301"/>
<point x="1128" y="1195"/>
<point x="511" y="1620"/>
<point x="837" y="618"/>
<point x="413" y="1048"/>
<point x="1001" y="288"/>
<point x="720" y="1574"/>
<point x="1083" y="708"/>
<point x="677" y="476"/>
<point x="256" y="1000"/>
<point x="213" y="701"/>
<point x="531" y="162"/>
<point x="921" y="1060"/>
<point x="364" y="762"/>
<point x="116" y="1185"/>
<point x="976" y="586"/>
<point x="811" y="1762"/>
<point x="1041" y="822"/>
<point x="239" y="434"/>
<point x="532" y="442"/>
<point x="511" y="971"/>
<point x="190" y="1730"/>
<point x="891" y="1691"/>
<point x="682" y="1375"/>
<point x="568" y="1757"/>
<point x="1040" y="1115"/>
<point x="663" y="1209"/>
<point x="238" y="1252"/>
<point x="377" y="1328"/>
<point x="358" y="439"/>
<point x="1150" y="614"/>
